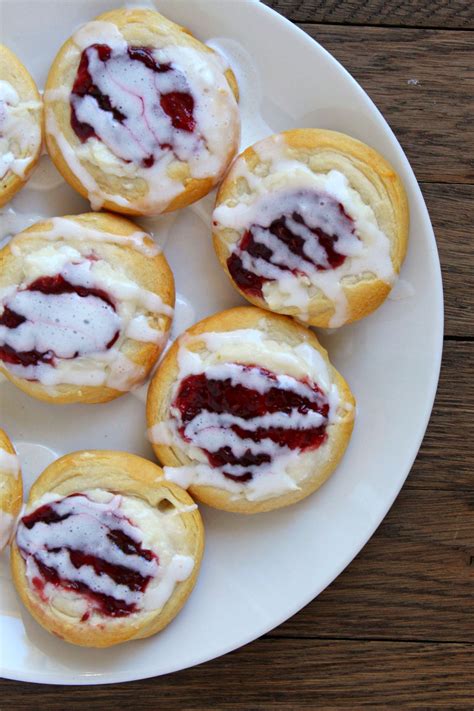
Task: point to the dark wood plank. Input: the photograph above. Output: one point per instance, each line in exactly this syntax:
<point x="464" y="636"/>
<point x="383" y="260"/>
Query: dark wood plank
<point x="402" y="13"/>
<point x="286" y="674"/>
<point x="446" y="458"/>
<point x="413" y="581"/>
<point x="433" y="117"/>
<point x="451" y="209"/>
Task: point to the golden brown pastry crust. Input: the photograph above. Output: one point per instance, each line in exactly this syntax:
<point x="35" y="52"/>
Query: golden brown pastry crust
<point x="149" y="272"/>
<point x="284" y="330"/>
<point x="11" y="485"/>
<point x="16" y="74"/>
<point x="371" y="175"/>
<point x="143" y="27"/>
<point x="129" y="475"/>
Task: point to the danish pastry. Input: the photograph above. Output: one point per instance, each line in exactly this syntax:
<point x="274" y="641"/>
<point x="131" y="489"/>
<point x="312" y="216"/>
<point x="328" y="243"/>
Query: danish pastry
<point x="247" y="411"/>
<point x="313" y="224"/>
<point x="11" y="488"/>
<point x="21" y="124"/>
<point x="106" y="551"/>
<point x="85" y="307"/>
<point x="141" y="117"/>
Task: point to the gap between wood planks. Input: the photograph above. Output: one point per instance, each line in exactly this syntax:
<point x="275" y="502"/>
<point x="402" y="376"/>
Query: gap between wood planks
<point x="374" y="638"/>
<point x="468" y="339"/>
<point x="381" y="25"/>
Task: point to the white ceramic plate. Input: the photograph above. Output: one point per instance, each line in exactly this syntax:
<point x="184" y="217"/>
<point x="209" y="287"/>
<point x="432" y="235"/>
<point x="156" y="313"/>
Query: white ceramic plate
<point x="280" y="560"/>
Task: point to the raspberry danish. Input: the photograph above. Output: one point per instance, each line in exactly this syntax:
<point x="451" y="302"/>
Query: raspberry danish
<point x="313" y="224"/>
<point x="247" y="411"/>
<point x="85" y="307"/>
<point x="21" y="124"/>
<point x="141" y="117"/>
<point x="11" y="488"/>
<point x="105" y="553"/>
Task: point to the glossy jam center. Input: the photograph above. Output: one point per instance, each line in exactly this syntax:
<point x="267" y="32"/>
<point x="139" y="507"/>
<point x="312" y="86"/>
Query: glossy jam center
<point x="199" y="394"/>
<point x="49" y="285"/>
<point x="270" y="244"/>
<point x="176" y="103"/>
<point x="49" y="558"/>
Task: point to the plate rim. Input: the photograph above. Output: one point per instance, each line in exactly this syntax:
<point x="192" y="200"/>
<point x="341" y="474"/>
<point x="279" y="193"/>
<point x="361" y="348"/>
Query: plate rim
<point x="113" y="677"/>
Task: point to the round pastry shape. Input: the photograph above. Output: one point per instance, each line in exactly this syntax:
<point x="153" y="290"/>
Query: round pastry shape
<point x="11" y="488"/>
<point x="141" y="117"/>
<point x="313" y="224"/>
<point x="85" y="307"/>
<point x="247" y="412"/>
<point x="106" y="551"/>
<point x="21" y="124"/>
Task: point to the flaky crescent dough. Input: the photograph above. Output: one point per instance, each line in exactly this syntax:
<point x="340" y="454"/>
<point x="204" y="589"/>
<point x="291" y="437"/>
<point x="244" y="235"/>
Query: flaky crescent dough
<point x="373" y="182"/>
<point x="11" y="488"/>
<point x="142" y="28"/>
<point x="130" y="476"/>
<point x="141" y="263"/>
<point x="17" y="75"/>
<point x="282" y="331"/>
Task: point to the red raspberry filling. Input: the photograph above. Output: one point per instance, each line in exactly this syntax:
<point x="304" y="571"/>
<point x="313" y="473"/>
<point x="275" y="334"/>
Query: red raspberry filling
<point x="121" y="575"/>
<point x="46" y="285"/>
<point x="252" y="283"/>
<point x="178" y="105"/>
<point x="198" y="393"/>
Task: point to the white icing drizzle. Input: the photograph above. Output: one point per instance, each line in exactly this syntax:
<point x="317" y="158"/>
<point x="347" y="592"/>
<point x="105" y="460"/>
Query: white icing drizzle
<point x="123" y="373"/>
<point x="226" y="357"/>
<point x="251" y="345"/>
<point x="184" y="316"/>
<point x="282" y="186"/>
<point x="136" y="90"/>
<point x="139" y="330"/>
<point x="178" y="570"/>
<point x="20" y="133"/>
<point x="100" y="274"/>
<point x="8" y="525"/>
<point x="269" y="483"/>
<point x="86" y="530"/>
<point x="61" y="93"/>
<point x="12" y="222"/>
<point x="402" y="289"/>
<point x="93" y="191"/>
<point x="69" y="325"/>
<point x="9" y="463"/>
<point x="78" y="329"/>
<point x="97" y="32"/>
<point x="63" y="229"/>
<point x="177" y="511"/>
<point x="87" y="521"/>
<point x="251" y="89"/>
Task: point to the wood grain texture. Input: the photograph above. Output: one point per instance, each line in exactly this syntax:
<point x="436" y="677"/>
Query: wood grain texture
<point x="404" y="13"/>
<point x="413" y="581"/>
<point x="451" y="209"/>
<point x="432" y="118"/>
<point x="287" y="674"/>
<point x="446" y="457"/>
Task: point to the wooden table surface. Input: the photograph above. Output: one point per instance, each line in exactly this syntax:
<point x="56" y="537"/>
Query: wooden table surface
<point x="397" y="627"/>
